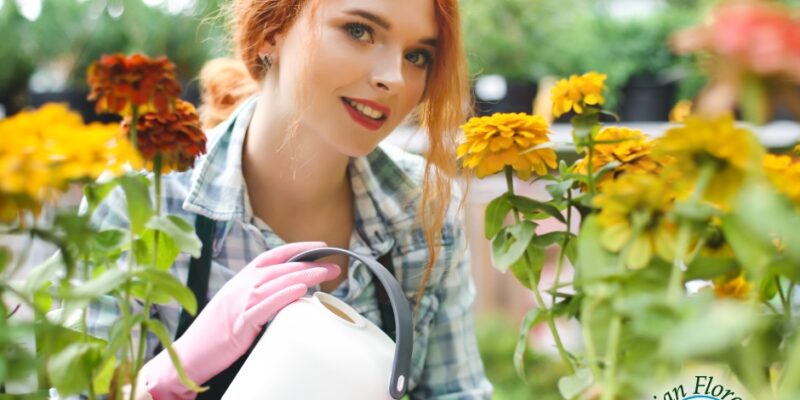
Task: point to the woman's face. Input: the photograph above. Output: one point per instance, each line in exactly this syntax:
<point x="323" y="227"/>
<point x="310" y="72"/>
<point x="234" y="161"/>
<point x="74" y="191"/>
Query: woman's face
<point x="368" y="68"/>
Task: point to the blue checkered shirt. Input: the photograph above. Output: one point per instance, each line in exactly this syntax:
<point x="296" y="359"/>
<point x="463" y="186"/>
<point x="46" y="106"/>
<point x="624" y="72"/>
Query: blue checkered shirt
<point x="386" y="186"/>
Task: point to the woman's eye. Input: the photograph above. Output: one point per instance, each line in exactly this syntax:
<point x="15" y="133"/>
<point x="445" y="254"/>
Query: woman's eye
<point x="419" y="58"/>
<point x="359" y="32"/>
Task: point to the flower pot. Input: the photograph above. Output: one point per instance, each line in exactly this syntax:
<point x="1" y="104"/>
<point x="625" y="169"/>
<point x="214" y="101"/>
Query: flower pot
<point x="647" y="98"/>
<point x="494" y="93"/>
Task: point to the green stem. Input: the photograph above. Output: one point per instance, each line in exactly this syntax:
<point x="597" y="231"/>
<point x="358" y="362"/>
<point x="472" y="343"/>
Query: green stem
<point x="535" y="287"/>
<point x="85" y="327"/>
<point x="563" y="250"/>
<point x="139" y="361"/>
<point x="786" y="306"/>
<point x="790" y="378"/>
<point x="562" y="352"/>
<point x="789" y="295"/>
<point x="675" y="287"/>
<point x="590" y="150"/>
<point x="588" y="339"/>
<point x="615" y="331"/>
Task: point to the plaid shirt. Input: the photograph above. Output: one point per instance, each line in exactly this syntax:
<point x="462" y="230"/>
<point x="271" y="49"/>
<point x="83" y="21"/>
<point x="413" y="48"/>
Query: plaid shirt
<point x="386" y="186"/>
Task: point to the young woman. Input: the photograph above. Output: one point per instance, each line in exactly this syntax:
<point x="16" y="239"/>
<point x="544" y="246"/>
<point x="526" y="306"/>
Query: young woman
<point x="294" y="156"/>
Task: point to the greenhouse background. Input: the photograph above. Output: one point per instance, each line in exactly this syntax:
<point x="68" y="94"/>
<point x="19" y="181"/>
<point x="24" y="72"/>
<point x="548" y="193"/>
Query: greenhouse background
<point x="517" y="49"/>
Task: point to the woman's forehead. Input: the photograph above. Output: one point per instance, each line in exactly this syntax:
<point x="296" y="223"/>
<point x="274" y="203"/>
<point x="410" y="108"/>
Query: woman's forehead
<point x="409" y="16"/>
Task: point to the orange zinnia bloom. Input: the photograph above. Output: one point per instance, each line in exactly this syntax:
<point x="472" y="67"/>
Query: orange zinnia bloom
<point x="176" y="136"/>
<point x="118" y="82"/>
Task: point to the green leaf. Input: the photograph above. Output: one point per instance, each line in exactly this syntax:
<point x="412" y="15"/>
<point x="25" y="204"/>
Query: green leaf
<point x="166" y="287"/>
<point x="769" y="215"/>
<point x="593" y="261"/>
<point x="144" y="247"/>
<point x="532" y="264"/>
<point x="700" y="212"/>
<point x="5" y="257"/>
<point x="180" y="231"/>
<point x="784" y="267"/>
<point x="753" y="254"/>
<point x="70" y="370"/>
<point x="43" y="273"/>
<point x="108" y="241"/>
<point x="704" y="267"/>
<point x="573" y="385"/>
<point x="496" y="212"/>
<point x="505" y="251"/>
<point x="140" y="207"/>
<point x="162" y="333"/>
<point x="95" y="193"/>
<point x="529" y="205"/>
<point x="42" y="298"/>
<point x="106" y="283"/>
<point x="712" y="330"/>
<point x="532" y="318"/>
<point x="559" y="189"/>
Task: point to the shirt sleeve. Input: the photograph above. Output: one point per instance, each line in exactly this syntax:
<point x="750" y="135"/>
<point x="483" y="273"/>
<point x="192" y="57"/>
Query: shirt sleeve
<point x="453" y="367"/>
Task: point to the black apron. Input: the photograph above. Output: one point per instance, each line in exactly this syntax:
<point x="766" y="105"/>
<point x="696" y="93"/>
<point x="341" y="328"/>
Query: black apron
<point x="199" y="271"/>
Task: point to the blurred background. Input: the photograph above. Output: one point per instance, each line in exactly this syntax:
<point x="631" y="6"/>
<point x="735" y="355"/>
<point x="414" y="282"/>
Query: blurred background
<point x="516" y="49"/>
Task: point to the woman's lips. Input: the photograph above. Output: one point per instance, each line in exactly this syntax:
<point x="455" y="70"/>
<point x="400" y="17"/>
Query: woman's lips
<point x="365" y="121"/>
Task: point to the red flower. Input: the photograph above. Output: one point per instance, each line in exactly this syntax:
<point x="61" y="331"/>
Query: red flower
<point x="118" y="82"/>
<point x="176" y="136"/>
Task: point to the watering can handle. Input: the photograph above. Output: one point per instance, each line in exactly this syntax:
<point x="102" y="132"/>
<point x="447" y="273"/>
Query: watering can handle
<point x="402" y="314"/>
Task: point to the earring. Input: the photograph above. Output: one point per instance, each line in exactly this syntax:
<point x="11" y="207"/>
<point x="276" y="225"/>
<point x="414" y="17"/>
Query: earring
<point x="266" y="62"/>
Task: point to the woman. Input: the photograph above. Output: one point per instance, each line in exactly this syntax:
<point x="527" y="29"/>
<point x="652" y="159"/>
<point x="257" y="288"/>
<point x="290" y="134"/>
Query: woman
<point x="294" y="157"/>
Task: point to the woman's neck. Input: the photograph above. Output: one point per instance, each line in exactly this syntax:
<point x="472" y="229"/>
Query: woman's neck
<point x="290" y="174"/>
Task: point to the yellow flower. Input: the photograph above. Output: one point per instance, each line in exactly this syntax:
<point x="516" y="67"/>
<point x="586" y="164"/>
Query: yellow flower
<point x="681" y="111"/>
<point x="732" y="287"/>
<point x="500" y="140"/>
<point x="783" y="171"/>
<point x="632" y="217"/>
<point x="577" y="92"/>
<point x="42" y="151"/>
<point x="717" y="144"/>
<point x="629" y="147"/>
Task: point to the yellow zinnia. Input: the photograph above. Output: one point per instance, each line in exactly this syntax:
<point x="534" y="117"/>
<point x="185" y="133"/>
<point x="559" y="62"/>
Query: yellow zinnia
<point x="630" y="147"/>
<point x="783" y="171"/>
<point x="577" y="92"/>
<point x="491" y="143"/>
<point x="717" y="144"/>
<point x="732" y="287"/>
<point x="633" y="218"/>
<point x="42" y="151"/>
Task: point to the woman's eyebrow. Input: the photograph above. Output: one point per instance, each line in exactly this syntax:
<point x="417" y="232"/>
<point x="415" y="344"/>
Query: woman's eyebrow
<point x="383" y="23"/>
<point x="380" y="21"/>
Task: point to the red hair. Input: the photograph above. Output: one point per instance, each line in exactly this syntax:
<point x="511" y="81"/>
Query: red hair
<point x="225" y="83"/>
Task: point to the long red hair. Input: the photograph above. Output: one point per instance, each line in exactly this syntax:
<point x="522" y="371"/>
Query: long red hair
<point x="225" y="83"/>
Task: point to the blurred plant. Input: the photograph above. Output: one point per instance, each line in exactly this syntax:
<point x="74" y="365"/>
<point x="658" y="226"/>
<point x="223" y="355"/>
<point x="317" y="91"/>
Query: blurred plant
<point x="41" y="154"/>
<point x="693" y="206"/>
<point x="752" y="48"/>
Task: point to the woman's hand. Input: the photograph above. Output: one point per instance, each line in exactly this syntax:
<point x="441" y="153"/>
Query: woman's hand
<point x="228" y="325"/>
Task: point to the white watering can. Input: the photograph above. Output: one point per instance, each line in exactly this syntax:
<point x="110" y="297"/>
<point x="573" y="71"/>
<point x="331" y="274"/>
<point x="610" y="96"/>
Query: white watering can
<point x="321" y="348"/>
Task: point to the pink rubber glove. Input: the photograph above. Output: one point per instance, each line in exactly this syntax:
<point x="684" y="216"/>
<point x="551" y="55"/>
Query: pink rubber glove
<point x="230" y="322"/>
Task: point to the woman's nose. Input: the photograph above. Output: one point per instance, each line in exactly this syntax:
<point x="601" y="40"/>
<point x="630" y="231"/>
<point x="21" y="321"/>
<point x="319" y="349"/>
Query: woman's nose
<point x="387" y="75"/>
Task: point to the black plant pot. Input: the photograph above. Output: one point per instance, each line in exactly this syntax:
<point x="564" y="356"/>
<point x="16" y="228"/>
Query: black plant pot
<point x="518" y="98"/>
<point x="77" y="100"/>
<point x="647" y="98"/>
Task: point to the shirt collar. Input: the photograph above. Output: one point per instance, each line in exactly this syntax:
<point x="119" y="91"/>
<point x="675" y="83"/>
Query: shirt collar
<point x="218" y="188"/>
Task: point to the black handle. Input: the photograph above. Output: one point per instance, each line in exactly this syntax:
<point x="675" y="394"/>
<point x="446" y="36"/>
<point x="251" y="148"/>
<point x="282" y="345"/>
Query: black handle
<point x="404" y="339"/>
